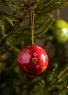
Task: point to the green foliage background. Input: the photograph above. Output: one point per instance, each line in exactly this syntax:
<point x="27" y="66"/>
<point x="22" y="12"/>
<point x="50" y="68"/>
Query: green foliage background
<point x="15" y="33"/>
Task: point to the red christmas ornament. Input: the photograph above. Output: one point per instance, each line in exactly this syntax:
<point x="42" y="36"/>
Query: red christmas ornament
<point x="32" y="60"/>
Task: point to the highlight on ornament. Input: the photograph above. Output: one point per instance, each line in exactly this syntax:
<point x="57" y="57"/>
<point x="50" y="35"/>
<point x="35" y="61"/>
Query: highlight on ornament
<point x="32" y="60"/>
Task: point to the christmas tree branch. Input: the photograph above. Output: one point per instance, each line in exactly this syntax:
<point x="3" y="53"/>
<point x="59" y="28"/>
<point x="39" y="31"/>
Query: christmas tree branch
<point x="38" y="89"/>
<point x="63" y="74"/>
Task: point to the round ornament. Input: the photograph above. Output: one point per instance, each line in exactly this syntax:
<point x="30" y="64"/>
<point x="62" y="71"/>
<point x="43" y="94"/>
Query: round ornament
<point x="32" y="60"/>
<point x="60" y="30"/>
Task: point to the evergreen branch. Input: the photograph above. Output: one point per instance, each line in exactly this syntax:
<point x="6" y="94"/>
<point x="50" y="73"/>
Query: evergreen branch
<point x="63" y="74"/>
<point x="56" y="88"/>
<point x="40" y="30"/>
<point x="53" y="74"/>
<point x="49" y="6"/>
<point x="13" y="47"/>
<point x="47" y="25"/>
<point x="2" y="29"/>
<point x="38" y="89"/>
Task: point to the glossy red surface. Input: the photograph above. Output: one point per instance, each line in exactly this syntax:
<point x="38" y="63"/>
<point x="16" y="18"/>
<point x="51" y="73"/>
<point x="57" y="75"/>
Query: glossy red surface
<point x="32" y="60"/>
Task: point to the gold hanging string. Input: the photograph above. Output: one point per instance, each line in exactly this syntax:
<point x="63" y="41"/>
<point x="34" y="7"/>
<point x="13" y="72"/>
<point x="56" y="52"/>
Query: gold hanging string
<point x="32" y="25"/>
<point x="58" y="14"/>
